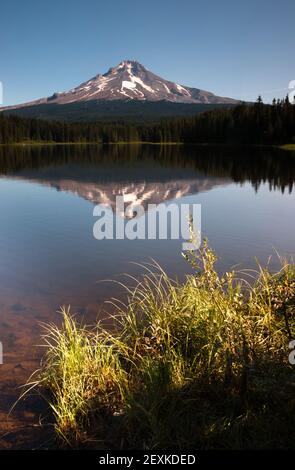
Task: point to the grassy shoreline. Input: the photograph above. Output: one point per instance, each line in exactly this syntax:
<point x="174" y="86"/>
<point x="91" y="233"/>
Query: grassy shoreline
<point x="203" y="364"/>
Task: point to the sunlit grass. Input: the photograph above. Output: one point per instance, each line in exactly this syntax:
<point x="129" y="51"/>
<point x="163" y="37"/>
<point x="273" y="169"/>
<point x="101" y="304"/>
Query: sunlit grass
<point x="199" y="364"/>
<point x="288" y="147"/>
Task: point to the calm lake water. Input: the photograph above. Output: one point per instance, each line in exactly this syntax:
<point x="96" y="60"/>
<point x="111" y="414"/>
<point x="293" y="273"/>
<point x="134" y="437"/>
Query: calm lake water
<point x="49" y="257"/>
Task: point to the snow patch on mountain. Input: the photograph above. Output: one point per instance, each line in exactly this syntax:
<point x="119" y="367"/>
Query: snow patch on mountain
<point x="165" y="86"/>
<point x="182" y="89"/>
<point x="130" y="85"/>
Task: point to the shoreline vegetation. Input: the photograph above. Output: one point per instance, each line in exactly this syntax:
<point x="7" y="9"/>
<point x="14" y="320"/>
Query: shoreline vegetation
<point x="244" y="124"/>
<point x="287" y="147"/>
<point x="203" y="364"/>
<point x="32" y="143"/>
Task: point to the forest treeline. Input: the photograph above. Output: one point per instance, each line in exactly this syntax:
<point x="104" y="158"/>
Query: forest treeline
<point x="256" y="123"/>
<point x="259" y="166"/>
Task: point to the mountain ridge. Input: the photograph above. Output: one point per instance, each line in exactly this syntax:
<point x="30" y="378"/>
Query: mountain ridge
<point x="130" y="80"/>
<point x="132" y="111"/>
<point x="128" y="91"/>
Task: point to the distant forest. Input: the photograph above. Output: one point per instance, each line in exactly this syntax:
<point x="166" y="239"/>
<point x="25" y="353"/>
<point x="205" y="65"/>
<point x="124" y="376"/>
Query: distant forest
<point x="256" y="123"/>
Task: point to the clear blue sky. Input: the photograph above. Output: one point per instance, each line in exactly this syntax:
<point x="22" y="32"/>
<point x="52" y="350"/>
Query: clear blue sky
<point x="236" y="48"/>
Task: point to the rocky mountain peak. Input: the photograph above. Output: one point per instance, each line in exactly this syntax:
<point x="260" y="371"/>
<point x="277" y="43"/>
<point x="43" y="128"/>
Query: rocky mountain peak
<point x="130" y="80"/>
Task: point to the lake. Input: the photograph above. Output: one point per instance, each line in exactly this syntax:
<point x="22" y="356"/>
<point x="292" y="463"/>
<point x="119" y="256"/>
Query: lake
<point x="49" y="256"/>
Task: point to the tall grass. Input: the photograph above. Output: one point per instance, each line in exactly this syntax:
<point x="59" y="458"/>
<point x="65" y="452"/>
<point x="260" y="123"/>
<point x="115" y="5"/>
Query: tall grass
<point x="199" y="364"/>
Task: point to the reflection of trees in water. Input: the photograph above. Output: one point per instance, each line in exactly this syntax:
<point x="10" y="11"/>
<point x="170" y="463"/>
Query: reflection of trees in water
<point x="247" y="164"/>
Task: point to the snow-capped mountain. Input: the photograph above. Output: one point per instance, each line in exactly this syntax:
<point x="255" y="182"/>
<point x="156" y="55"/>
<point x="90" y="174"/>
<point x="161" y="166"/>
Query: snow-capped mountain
<point x="131" y="81"/>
